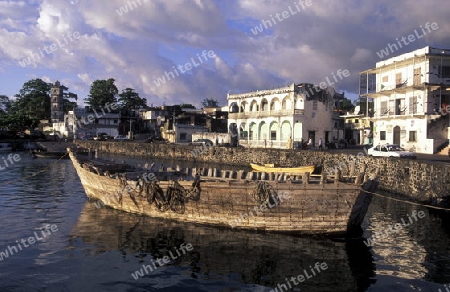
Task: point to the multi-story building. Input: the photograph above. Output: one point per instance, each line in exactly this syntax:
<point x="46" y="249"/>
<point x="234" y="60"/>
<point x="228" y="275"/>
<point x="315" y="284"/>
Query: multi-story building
<point x="283" y="117"/>
<point x="358" y="128"/>
<point x="57" y="102"/>
<point x="411" y="94"/>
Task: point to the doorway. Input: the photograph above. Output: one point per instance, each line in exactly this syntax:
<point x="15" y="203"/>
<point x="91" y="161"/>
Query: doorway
<point x="396" y="135"/>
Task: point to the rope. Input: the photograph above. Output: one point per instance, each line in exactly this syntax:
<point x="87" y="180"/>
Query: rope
<point x="263" y="193"/>
<point x="36" y="173"/>
<point x="406" y="201"/>
<point x="176" y="197"/>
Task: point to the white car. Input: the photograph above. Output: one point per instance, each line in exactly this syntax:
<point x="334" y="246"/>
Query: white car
<point x="121" y="138"/>
<point x="390" y="150"/>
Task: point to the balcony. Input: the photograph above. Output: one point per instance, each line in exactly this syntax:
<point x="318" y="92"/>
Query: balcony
<point x="265" y="114"/>
<point x="357" y="126"/>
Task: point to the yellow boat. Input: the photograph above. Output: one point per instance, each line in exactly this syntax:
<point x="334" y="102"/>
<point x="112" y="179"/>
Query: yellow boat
<point x="272" y="168"/>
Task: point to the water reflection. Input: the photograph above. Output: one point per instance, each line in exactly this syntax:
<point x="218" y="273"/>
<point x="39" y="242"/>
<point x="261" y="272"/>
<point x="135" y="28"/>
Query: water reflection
<point x="264" y="259"/>
<point x="418" y="251"/>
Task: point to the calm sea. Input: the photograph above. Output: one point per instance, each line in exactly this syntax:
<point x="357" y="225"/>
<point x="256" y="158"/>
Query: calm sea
<point x="54" y="239"/>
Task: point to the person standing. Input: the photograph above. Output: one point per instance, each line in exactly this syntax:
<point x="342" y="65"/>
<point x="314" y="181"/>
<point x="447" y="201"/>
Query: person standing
<point x="309" y="143"/>
<point x="320" y="144"/>
<point x="289" y="143"/>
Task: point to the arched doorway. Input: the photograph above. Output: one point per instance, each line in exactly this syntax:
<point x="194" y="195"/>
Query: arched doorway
<point x="396" y="135"/>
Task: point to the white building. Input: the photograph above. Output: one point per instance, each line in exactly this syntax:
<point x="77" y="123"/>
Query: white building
<point x="81" y="123"/>
<point x="411" y="93"/>
<point x="357" y="127"/>
<point x="271" y="118"/>
<point x="182" y="133"/>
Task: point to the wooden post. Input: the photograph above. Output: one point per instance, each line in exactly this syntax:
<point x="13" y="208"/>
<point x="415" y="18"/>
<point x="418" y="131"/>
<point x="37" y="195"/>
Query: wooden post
<point x="323" y="178"/>
<point x="337" y="176"/>
<point x="305" y="178"/>
<point x="360" y="178"/>
<point x="352" y="168"/>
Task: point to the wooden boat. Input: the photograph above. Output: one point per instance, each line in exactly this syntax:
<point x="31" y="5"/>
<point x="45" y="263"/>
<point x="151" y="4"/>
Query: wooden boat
<point x="47" y="154"/>
<point x="237" y="199"/>
<point x="5" y="147"/>
<point x="272" y="168"/>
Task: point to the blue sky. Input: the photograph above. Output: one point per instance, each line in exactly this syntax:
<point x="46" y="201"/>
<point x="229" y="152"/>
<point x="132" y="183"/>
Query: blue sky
<point x="140" y="45"/>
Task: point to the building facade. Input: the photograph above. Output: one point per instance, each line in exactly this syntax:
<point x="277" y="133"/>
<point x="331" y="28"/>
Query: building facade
<point x="57" y="102"/>
<point x="282" y="117"/>
<point x="411" y="94"/>
<point x="357" y="127"/>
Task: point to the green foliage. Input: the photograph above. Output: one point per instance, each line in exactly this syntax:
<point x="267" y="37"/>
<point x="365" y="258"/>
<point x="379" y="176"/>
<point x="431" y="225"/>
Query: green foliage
<point x="187" y="105"/>
<point x="67" y="104"/>
<point x="31" y="105"/>
<point x="130" y="99"/>
<point x="101" y="93"/>
<point x="5" y="104"/>
<point x="346" y="105"/>
<point x="33" y="101"/>
<point x="209" y="102"/>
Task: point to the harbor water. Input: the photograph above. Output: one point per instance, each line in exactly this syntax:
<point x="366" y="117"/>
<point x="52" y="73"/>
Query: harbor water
<point x="54" y="239"/>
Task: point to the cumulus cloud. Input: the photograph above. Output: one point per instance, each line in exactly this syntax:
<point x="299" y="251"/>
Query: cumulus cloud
<point x="139" y="46"/>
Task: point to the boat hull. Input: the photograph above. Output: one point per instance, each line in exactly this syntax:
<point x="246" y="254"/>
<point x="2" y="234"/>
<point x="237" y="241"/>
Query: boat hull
<point x="297" y="208"/>
<point x="301" y="169"/>
<point x="53" y="155"/>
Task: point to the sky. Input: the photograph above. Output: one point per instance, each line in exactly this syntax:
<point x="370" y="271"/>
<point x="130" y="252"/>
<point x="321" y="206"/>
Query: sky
<point x="183" y="51"/>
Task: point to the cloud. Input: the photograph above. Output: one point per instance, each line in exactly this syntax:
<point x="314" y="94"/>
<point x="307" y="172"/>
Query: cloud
<point x="149" y="40"/>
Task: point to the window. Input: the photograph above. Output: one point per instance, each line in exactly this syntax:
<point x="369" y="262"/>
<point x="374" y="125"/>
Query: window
<point x="182" y="136"/>
<point x="315" y="105"/>
<point x="383" y="135"/>
<point x="413" y="105"/>
<point x="398" y="79"/>
<point x="385" y="79"/>
<point x="273" y="135"/>
<point x="383" y="108"/>
<point x="116" y="121"/>
<point x="444" y="71"/>
<point x="412" y="136"/>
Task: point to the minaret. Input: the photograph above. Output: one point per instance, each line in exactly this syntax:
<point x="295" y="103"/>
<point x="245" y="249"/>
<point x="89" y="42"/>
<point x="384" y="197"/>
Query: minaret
<point x="56" y="100"/>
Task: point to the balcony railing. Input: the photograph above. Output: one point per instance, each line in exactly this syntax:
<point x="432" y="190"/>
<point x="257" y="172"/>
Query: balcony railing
<point x="263" y="114"/>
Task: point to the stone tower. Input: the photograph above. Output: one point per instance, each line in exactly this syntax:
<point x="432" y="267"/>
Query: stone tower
<point x="56" y="101"/>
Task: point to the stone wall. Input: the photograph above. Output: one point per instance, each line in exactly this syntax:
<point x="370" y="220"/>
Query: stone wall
<point x="418" y="180"/>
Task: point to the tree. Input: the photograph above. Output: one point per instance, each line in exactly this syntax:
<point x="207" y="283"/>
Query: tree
<point x="101" y="93"/>
<point x="5" y="104"/>
<point x="187" y="105"/>
<point x="131" y="100"/>
<point x="67" y="104"/>
<point x="31" y="105"/>
<point x="209" y="102"/>
<point x="346" y="105"/>
<point x="33" y="101"/>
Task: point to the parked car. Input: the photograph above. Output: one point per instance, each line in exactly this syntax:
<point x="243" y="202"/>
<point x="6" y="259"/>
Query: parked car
<point x="120" y="138"/>
<point x="102" y="137"/>
<point x="154" y="139"/>
<point x="200" y="142"/>
<point x="390" y="150"/>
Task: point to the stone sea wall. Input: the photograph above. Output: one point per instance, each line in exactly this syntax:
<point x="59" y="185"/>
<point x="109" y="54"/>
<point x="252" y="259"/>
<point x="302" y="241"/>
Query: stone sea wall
<point x="418" y="180"/>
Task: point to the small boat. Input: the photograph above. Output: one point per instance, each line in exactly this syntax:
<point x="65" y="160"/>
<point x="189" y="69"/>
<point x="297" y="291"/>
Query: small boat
<point x="46" y="154"/>
<point x="272" y="168"/>
<point x="236" y="199"/>
<point x="5" y="147"/>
